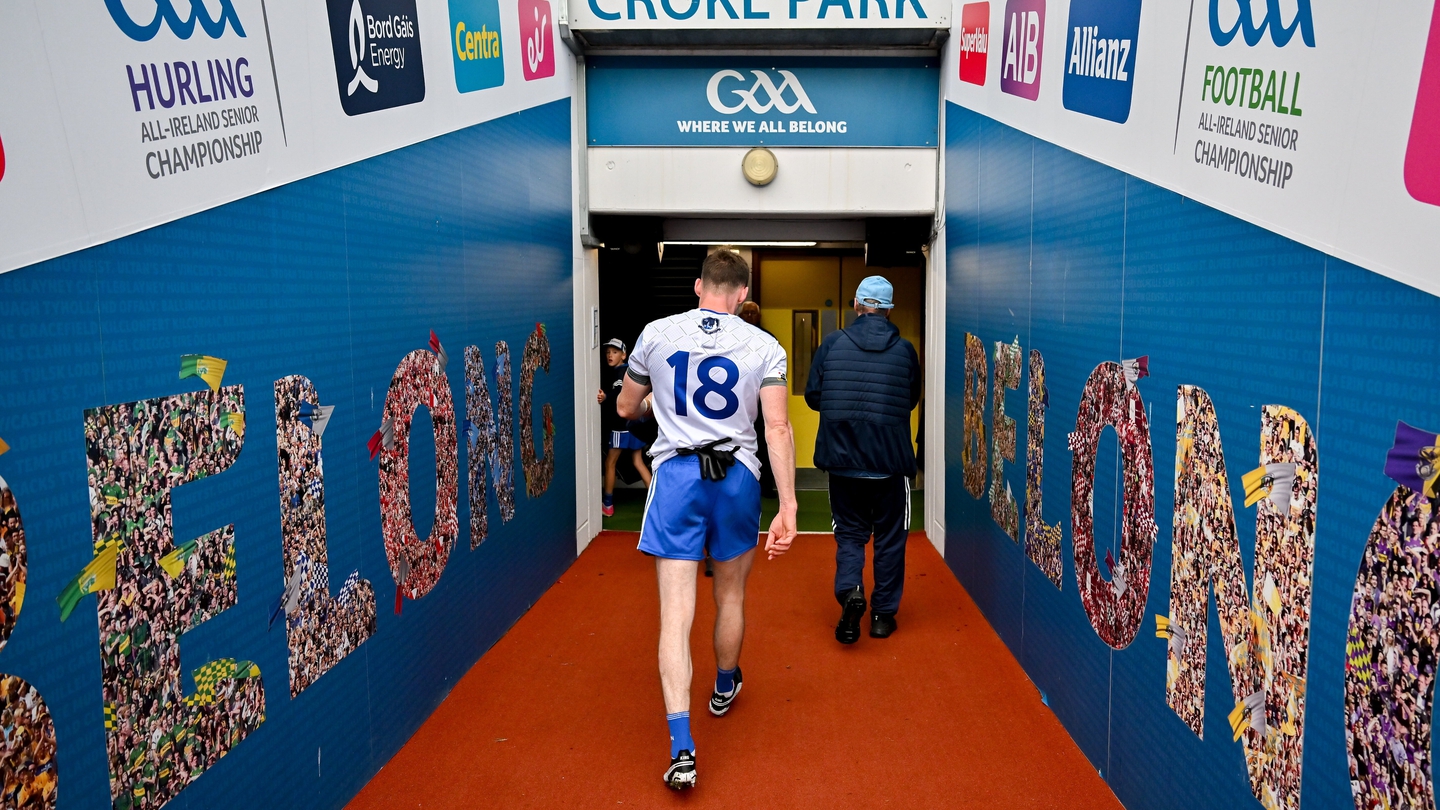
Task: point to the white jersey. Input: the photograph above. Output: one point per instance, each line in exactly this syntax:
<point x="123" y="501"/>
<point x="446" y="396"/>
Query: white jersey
<point x="707" y="369"/>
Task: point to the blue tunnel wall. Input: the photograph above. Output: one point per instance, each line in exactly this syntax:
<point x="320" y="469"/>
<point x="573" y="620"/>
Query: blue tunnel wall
<point x="1087" y="265"/>
<point x="336" y="277"/>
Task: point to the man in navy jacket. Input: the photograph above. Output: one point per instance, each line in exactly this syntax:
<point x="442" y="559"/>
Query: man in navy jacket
<point x="864" y="381"/>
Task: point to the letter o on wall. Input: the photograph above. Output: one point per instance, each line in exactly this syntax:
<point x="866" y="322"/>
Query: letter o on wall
<point x="1115" y="610"/>
<point x="419" y="380"/>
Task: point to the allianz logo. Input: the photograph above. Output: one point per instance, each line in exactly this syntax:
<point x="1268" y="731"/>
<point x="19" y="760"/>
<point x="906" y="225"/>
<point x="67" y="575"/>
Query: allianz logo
<point x="774" y="96"/>
<point x="976" y="41"/>
<point x="1095" y="56"/>
<point x="166" y="14"/>
<point x="1244" y="22"/>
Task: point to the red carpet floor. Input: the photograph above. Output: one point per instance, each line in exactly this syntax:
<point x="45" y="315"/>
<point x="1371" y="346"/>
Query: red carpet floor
<point x="565" y="710"/>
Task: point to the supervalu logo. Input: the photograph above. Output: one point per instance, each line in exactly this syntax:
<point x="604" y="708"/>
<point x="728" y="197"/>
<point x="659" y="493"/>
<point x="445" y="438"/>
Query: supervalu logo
<point x="974" y="42"/>
<point x="1100" y="63"/>
<point x="475" y="39"/>
<point x="376" y="46"/>
<point x="1024" y="47"/>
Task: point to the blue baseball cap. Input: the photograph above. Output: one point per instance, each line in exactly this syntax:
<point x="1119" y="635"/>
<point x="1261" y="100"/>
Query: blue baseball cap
<point x="876" y="292"/>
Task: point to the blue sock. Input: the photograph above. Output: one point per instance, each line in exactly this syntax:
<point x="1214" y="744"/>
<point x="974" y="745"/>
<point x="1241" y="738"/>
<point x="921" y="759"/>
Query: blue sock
<point x="725" y="680"/>
<point x="680" y="733"/>
<point x="607" y="499"/>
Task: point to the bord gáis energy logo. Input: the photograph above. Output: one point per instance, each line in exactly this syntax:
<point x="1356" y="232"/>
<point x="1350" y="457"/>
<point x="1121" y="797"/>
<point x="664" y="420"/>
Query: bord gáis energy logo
<point x="183" y="27"/>
<point x="1422" y="155"/>
<point x="974" y="42"/>
<point x="1100" y="63"/>
<point x="537" y="36"/>
<point x="475" y="36"/>
<point x="1024" y="47"/>
<point x="749" y="99"/>
<point x="376" y="45"/>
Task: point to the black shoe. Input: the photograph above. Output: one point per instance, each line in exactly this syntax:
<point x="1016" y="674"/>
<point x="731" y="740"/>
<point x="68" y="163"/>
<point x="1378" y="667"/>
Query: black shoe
<point x="720" y="704"/>
<point x="853" y="601"/>
<point x="681" y="773"/>
<point x="882" y="625"/>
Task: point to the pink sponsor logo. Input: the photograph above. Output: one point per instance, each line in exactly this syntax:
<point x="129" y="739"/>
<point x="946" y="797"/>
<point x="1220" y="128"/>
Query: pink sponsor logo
<point x="537" y="58"/>
<point x="1422" y="158"/>
<point x="1024" y="45"/>
<point x="974" y="42"/>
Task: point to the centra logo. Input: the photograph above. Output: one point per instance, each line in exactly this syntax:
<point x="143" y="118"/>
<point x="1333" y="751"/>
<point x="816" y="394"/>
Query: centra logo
<point x="376" y="45"/>
<point x="475" y="35"/>
<point x="1240" y="19"/>
<point x="974" y="42"/>
<point x="165" y="14"/>
<point x="774" y="96"/>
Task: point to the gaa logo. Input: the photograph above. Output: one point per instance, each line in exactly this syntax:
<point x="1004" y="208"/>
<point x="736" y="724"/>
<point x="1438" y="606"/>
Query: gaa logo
<point x="165" y="13"/>
<point x="974" y="42"/>
<point x="774" y="96"/>
<point x="709" y="325"/>
<point x="1244" y="23"/>
<point x="538" y="37"/>
<point x="376" y="45"/>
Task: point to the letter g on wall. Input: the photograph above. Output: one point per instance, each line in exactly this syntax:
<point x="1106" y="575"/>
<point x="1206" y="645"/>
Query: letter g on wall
<point x="165" y="12"/>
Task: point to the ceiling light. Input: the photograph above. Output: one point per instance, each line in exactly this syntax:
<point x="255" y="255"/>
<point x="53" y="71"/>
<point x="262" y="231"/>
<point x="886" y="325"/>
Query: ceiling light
<point x="746" y="244"/>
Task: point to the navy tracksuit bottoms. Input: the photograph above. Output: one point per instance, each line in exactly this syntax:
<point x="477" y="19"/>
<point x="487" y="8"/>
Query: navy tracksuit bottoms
<point x="861" y="507"/>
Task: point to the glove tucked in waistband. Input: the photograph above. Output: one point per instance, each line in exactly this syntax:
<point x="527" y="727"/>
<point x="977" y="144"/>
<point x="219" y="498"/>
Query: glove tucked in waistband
<point x="714" y="462"/>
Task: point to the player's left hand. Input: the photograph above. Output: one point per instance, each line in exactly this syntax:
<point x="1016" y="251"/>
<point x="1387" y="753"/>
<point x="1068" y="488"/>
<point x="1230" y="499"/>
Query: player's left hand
<point x="782" y="532"/>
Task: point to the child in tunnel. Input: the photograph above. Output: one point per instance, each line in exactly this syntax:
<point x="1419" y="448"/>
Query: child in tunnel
<point x="618" y="438"/>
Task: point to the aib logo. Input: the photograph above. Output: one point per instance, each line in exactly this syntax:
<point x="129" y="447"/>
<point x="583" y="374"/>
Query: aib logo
<point x="1223" y="31"/>
<point x="974" y="42"/>
<point x="1422" y="157"/>
<point x="538" y="37"/>
<point x="1100" y="68"/>
<point x="165" y="13"/>
<point x="376" y="45"/>
<point x="1024" y="45"/>
<point x="475" y="34"/>
<point x="774" y="96"/>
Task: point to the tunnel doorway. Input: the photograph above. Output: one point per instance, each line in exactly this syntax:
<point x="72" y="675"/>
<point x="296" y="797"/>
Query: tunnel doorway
<point x="804" y="288"/>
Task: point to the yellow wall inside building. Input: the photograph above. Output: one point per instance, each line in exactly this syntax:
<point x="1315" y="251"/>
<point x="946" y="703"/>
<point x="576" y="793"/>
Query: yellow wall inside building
<point x="799" y="282"/>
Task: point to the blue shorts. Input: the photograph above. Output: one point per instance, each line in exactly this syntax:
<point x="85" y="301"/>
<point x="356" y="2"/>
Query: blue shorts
<point x="686" y="514"/>
<point x="622" y="440"/>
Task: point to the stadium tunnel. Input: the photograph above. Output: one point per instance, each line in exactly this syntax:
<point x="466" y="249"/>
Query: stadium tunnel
<point x="240" y="239"/>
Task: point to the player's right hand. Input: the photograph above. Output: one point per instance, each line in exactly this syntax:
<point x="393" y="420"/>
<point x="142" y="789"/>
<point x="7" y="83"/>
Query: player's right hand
<point x="782" y="532"/>
<point x="600" y="396"/>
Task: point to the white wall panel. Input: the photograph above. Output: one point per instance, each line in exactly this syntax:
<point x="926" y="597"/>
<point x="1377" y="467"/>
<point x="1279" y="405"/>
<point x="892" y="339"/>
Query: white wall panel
<point x="811" y="181"/>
